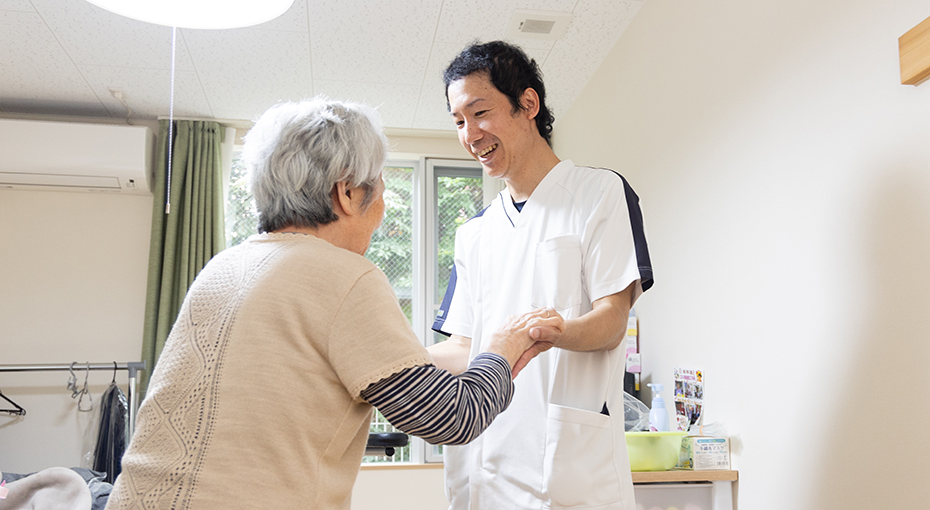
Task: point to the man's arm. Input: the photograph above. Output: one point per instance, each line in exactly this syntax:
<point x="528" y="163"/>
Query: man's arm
<point x="452" y="354"/>
<point x="603" y="328"/>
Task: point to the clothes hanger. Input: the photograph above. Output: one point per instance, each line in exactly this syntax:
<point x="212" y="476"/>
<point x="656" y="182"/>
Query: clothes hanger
<point x="72" y="381"/>
<point x="85" y="391"/>
<point x="18" y="411"/>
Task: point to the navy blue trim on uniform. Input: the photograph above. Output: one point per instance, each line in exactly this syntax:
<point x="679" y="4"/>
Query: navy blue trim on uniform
<point x="450" y="291"/>
<point x="504" y="207"/>
<point x="444" y="307"/>
<point x="639" y="234"/>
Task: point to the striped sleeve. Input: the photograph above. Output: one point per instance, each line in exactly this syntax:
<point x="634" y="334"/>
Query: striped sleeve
<point x="441" y="408"/>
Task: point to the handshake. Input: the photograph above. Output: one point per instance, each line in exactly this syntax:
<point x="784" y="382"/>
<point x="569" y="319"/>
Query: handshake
<point x="523" y="337"/>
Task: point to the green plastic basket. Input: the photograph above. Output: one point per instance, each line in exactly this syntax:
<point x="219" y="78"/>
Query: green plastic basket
<point x="653" y="451"/>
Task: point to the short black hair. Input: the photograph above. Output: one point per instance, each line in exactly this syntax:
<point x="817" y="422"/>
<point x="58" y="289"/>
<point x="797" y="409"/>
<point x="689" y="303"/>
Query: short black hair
<point x="509" y="70"/>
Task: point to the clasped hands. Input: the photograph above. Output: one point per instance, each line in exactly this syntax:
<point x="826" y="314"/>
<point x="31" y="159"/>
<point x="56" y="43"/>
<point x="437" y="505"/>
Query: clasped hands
<point x="529" y="334"/>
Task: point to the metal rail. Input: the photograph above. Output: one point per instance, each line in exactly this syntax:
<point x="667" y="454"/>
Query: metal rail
<point x="133" y="367"/>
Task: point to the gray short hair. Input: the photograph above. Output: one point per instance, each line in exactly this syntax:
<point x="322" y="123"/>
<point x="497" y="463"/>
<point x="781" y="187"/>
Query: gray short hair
<point x="297" y="152"/>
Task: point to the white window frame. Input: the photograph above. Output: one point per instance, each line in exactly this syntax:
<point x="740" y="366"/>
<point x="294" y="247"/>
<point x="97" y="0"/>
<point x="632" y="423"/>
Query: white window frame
<point x="436" y="167"/>
<point x="424" y="245"/>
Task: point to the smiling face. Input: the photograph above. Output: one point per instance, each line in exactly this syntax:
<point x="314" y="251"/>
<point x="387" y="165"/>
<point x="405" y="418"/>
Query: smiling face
<point x="487" y="126"/>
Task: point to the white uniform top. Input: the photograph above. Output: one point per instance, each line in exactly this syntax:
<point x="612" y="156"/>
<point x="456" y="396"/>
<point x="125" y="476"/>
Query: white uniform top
<point x="578" y="238"/>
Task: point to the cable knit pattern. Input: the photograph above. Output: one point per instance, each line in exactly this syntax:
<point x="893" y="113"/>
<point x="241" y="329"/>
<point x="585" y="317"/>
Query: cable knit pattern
<point x="177" y="422"/>
<point x="259" y="378"/>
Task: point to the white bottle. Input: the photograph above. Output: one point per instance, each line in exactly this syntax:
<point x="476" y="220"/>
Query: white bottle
<point x="658" y="415"/>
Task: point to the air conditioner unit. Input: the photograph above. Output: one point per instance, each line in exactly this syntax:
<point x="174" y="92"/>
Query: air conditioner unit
<point x="69" y="156"/>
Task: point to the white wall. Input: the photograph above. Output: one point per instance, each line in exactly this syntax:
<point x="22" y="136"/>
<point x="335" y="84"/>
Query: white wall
<point x="72" y="288"/>
<point x="785" y="177"/>
<point x="413" y="488"/>
<point x="416" y="142"/>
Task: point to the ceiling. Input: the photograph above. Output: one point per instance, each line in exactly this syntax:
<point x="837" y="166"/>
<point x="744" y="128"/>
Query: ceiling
<point x="62" y="57"/>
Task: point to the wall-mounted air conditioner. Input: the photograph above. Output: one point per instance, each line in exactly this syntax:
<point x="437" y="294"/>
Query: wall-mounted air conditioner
<point x="69" y="156"/>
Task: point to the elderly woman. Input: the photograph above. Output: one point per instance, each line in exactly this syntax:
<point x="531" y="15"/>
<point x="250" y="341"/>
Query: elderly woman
<point x="262" y="397"/>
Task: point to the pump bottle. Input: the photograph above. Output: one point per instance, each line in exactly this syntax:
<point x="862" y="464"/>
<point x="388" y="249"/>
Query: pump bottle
<point x="658" y="415"/>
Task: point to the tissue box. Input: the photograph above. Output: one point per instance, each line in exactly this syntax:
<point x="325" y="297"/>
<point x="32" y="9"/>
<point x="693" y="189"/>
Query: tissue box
<point x="703" y="453"/>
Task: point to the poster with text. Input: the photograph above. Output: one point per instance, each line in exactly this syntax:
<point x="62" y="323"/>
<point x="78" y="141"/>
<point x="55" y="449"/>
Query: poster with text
<point x="689" y="397"/>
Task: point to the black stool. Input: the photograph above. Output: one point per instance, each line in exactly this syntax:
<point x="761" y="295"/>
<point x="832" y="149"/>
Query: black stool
<point x="383" y="443"/>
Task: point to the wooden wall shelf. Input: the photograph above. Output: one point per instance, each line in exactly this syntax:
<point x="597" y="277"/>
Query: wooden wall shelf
<point x="722" y="475"/>
<point x="914" y="52"/>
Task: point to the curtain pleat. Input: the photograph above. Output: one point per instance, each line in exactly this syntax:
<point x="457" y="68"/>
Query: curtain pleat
<point x="187" y="237"/>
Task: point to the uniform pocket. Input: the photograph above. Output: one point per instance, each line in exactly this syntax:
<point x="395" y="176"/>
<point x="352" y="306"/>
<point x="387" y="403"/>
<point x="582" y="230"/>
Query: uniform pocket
<point x="557" y="274"/>
<point x="579" y="469"/>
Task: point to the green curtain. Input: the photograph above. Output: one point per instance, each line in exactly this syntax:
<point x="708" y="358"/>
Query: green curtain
<point x="185" y="238"/>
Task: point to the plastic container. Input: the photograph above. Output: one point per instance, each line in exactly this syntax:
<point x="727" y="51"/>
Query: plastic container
<point x="658" y="414"/>
<point x="713" y="429"/>
<point x="653" y="451"/>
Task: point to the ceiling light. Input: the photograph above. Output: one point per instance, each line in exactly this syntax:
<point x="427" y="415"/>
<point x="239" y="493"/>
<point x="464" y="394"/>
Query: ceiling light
<point x="207" y="14"/>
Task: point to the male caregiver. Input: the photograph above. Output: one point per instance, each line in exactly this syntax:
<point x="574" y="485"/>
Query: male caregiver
<point x="560" y="237"/>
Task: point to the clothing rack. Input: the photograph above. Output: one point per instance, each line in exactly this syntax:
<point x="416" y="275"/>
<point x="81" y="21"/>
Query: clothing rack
<point x="133" y="367"/>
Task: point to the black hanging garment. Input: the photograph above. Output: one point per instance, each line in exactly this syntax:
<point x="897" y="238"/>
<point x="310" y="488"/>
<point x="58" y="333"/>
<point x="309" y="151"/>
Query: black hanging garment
<point x="112" y="436"/>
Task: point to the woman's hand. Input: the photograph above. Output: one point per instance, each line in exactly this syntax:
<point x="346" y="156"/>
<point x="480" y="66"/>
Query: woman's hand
<point x="523" y="337"/>
<point x="545" y="337"/>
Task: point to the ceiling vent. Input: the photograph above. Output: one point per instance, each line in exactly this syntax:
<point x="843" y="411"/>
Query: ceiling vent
<point x="546" y="25"/>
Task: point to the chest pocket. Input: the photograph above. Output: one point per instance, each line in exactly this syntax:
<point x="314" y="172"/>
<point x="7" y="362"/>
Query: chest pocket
<point x="557" y="275"/>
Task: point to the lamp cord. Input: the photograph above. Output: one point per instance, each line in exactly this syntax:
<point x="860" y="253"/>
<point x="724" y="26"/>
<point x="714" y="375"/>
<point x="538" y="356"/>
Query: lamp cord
<point x="174" y="40"/>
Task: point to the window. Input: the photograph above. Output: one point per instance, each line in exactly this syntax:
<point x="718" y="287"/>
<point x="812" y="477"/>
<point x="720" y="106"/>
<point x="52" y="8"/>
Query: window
<point x="392" y="250"/>
<point x="241" y="216"/>
<point x="458" y="194"/>
<point x="392" y="245"/>
<point x="425" y="201"/>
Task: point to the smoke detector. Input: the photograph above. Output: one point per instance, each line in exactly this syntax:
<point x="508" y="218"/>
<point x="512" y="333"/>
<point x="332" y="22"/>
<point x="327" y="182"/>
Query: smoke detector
<point x="546" y="25"/>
